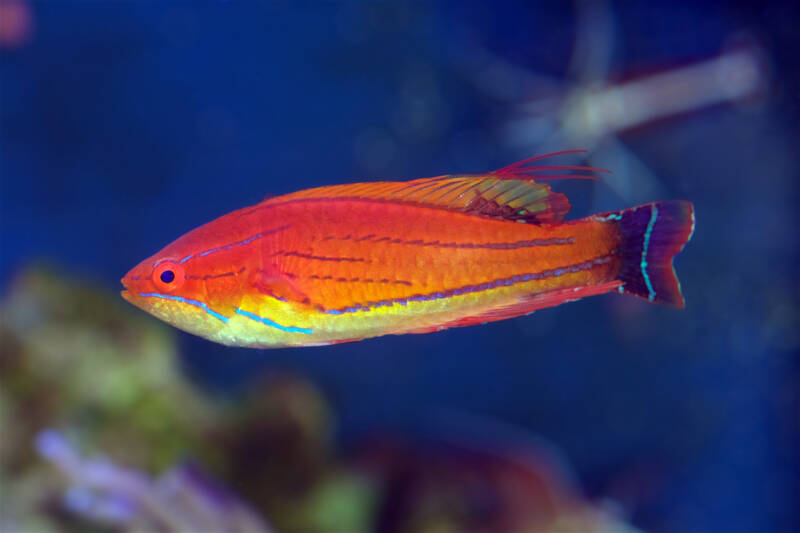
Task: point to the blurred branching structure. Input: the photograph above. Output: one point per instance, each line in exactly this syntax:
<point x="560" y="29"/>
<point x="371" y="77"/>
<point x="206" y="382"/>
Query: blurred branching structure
<point x="593" y="104"/>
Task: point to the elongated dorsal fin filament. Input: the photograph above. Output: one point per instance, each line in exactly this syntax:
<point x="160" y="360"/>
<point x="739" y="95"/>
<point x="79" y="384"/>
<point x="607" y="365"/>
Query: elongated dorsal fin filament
<point x="522" y="168"/>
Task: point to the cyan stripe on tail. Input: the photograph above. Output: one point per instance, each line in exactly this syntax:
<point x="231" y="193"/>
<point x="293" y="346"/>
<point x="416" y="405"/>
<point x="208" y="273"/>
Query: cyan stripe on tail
<point x="652" y="235"/>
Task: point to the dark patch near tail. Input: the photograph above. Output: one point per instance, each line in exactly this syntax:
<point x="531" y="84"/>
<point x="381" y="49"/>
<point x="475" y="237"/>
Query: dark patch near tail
<point x="652" y="235"/>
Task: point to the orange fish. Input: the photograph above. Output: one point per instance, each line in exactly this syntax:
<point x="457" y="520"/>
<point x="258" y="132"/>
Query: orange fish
<point x="348" y="262"/>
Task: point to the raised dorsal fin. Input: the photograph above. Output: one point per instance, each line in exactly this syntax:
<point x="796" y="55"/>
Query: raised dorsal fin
<point x="509" y="193"/>
<point x="488" y="195"/>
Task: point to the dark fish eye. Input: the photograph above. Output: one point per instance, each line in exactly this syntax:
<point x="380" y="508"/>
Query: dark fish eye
<point x="167" y="275"/>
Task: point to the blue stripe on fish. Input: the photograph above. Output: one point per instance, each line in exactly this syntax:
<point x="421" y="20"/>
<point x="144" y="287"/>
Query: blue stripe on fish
<point x="271" y="323"/>
<point x="651" y="293"/>
<point x="196" y="303"/>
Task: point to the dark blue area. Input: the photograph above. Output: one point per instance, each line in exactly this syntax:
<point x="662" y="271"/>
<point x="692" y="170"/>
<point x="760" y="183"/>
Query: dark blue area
<point x="124" y="125"/>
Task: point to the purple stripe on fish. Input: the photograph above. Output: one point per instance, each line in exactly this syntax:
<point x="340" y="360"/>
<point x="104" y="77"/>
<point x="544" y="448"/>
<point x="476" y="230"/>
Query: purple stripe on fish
<point x="468" y="289"/>
<point x="287" y="253"/>
<point x="512" y="245"/>
<point x="237" y="243"/>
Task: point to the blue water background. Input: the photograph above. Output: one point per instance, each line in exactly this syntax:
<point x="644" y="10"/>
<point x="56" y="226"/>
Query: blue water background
<point x="124" y="125"/>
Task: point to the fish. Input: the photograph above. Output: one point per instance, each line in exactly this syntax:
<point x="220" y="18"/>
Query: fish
<point x="343" y="263"/>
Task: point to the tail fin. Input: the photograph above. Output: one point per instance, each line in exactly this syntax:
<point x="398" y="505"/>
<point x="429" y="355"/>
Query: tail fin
<point x="652" y="235"/>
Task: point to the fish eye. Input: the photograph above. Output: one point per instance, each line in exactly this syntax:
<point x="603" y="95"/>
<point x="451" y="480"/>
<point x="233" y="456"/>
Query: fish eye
<point x="168" y="276"/>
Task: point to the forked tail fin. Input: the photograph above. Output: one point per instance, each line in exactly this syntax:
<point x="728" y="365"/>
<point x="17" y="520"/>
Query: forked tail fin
<point x="652" y="235"/>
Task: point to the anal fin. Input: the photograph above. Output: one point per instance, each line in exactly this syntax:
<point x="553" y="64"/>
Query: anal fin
<point x="528" y="305"/>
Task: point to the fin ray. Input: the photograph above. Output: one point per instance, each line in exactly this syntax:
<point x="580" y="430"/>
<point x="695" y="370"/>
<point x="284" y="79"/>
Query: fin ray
<point x="488" y="195"/>
<point x="508" y="193"/>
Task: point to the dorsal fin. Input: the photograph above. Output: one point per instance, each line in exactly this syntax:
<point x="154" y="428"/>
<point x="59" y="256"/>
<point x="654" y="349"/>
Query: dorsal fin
<point x="508" y="193"/>
<point x="489" y="195"/>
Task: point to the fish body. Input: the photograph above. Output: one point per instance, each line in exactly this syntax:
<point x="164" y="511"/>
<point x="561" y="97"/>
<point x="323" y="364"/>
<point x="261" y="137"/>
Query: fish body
<point x="349" y="262"/>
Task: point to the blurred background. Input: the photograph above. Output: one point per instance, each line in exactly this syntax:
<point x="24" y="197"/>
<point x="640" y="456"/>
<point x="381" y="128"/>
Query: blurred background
<point x="125" y="124"/>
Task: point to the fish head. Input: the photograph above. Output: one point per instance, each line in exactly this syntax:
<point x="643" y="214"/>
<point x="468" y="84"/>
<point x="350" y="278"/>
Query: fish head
<point x="187" y="287"/>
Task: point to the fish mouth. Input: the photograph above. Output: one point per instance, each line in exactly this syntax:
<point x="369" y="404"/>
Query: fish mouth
<point x="125" y="293"/>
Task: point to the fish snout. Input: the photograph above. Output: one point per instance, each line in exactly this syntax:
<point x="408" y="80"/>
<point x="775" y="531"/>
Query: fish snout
<point x="126" y="283"/>
<point x="133" y="283"/>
